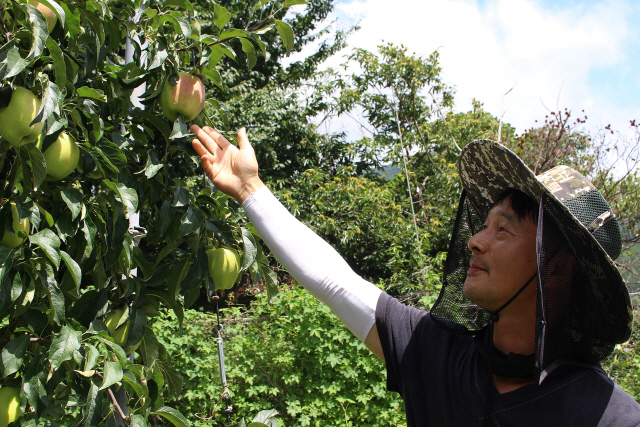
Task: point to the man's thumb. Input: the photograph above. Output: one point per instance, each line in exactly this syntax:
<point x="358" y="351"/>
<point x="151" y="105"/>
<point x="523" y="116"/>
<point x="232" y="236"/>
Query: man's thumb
<point x="243" y="139"/>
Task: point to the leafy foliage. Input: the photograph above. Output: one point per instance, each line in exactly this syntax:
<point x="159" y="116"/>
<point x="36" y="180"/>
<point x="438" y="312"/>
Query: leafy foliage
<point x="623" y="366"/>
<point x="293" y="355"/>
<point x="76" y="265"/>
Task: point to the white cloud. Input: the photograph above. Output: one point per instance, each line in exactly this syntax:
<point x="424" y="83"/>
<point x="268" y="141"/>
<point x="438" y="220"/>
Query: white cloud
<point x="547" y="53"/>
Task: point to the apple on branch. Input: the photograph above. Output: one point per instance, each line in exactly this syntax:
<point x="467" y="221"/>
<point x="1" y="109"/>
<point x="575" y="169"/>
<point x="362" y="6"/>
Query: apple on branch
<point x="11" y="240"/>
<point x="9" y="405"/>
<point x="61" y="157"/>
<point x="119" y="328"/>
<point x="16" y="118"/>
<point x="224" y="267"/>
<point x="185" y="98"/>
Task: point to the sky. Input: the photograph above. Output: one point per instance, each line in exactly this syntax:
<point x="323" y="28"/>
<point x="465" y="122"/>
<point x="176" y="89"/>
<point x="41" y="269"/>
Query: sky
<point x="575" y="54"/>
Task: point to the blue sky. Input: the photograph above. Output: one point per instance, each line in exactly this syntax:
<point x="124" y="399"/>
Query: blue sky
<point x="577" y="54"/>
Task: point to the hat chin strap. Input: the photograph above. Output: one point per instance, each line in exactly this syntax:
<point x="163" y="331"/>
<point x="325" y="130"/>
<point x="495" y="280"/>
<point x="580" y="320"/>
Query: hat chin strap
<point x="493" y="318"/>
<point x="493" y="315"/>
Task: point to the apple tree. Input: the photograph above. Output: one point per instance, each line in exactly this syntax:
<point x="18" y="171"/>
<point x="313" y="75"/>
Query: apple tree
<point x="85" y="152"/>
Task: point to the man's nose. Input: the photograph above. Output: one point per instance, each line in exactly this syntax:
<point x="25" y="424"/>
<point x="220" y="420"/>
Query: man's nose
<point x="477" y="243"/>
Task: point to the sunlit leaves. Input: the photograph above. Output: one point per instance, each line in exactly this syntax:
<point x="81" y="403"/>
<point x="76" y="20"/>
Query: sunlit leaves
<point x="12" y="355"/>
<point x="76" y="263"/>
<point x="286" y="34"/>
<point x="63" y="346"/>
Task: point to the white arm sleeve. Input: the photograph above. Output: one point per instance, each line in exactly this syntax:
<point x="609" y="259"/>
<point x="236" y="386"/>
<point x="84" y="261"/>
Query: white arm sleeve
<point x="314" y="263"/>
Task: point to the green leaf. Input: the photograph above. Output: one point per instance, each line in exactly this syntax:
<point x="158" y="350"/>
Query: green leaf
<point x="180" y="129"/>
<point x="73" y="198"/>
<point x="127" y="196"/>
<point x="50" y="102"/>
<point x="91" y="357"/>
<point x="137" y="327"/>
<point x="39" y="32"/>
<point x="198" y="272"/>
<point x="63" y="346"/>
<point x="221" y="16"/>
<point x="250" y="249"/>
<point x="92" y="411"/>
<point x="250" y="51"/>
<point x="178" y="273"/>
<point x="12" y="355"/>
<point x="271" y="278"/>
<point x="73" y="267"/>
<point x="265" y="418"/>
<point x="49" y="243"/>
<point x="149" y="347"/>
<point x="170" y="302"/>
<point x="36" y="164"/>
<point x="167" y="250"/>
<point x="286" y="34"/>
<point x="88" y="92"/>
<point x="289" y="3"/>
<point x="172" y="378"/>
<point x="181" y="3"/>
<point x="179" y="24"/>
<point x="172" y="415"/>
<point x="213" y="75"/>
<point x="11" y="63"/>
<point x="153" y="165"/>
<point x="233" y="33"/>
<point x="111" y="375"/>
<point x="59" y="65"/>
<point x="119" y="351"/>
<point x="191" y="221"/>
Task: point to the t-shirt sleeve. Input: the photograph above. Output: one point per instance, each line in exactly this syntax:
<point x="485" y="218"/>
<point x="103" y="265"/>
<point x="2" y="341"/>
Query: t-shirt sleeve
<point x="622" y="410"/>
<point x="397" y="324"/>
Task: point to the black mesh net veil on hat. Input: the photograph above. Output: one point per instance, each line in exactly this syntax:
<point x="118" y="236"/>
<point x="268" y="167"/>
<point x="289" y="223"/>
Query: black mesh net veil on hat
<point x="581" y="311"/>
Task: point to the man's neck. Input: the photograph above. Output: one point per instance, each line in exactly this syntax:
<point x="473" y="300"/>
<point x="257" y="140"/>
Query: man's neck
<point x="515" y="332"/>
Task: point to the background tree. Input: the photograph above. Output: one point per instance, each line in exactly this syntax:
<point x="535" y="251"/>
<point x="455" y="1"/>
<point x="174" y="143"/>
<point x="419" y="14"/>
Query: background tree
<point x="70" y="308"/>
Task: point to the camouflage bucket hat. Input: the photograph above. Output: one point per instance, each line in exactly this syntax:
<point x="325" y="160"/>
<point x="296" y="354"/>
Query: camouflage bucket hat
<point x="580" y="212"/>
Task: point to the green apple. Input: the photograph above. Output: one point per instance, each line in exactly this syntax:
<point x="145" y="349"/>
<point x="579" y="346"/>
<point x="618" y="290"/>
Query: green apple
<point x="49" y="14"/>
<point x="120" y="334"/>
<point x="16" y="117"/>
<point x="224" y="267"/>
<point x="61" y="157"/>
<point x="185" y="98"/>
<point x="11" y="240"/>
<point x="9" y="405"/>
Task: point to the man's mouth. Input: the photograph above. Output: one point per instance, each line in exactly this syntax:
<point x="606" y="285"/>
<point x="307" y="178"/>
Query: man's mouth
<point x="476" y="267"/>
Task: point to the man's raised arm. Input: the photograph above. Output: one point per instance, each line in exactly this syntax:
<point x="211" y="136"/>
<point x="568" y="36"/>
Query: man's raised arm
<point x="308" y="258"/>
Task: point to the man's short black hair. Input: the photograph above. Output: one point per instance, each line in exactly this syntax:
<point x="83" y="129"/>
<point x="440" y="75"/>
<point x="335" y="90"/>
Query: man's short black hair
<point x="523" y="205"/>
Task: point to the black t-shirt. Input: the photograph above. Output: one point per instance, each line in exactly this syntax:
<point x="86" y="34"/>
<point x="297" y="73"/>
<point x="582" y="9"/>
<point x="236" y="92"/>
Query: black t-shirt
<point x="443" y="382"/>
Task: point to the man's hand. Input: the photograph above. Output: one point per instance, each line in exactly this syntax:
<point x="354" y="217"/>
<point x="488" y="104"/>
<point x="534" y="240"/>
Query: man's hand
<point x="233" y="171"/>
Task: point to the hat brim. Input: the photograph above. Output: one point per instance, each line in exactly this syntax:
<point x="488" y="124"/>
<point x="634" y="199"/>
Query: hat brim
<point x="487" y="169"/>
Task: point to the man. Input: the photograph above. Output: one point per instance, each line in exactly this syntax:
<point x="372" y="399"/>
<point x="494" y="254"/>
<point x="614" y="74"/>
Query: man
<point x="531" y="300"/>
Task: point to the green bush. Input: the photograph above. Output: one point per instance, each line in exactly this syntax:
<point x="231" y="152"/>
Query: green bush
<point x="623" y="366"/>
<point x="293" y="355"/>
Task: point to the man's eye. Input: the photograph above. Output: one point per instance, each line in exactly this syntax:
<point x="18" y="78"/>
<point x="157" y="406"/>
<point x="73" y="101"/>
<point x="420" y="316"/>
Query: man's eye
<point x="503" y="229"/>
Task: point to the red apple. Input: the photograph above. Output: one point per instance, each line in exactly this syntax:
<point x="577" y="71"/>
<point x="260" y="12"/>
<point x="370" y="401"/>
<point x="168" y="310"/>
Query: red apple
<point x="185" y="98"/>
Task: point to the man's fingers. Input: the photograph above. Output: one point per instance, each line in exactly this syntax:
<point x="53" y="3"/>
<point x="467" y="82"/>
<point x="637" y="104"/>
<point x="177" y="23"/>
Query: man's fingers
<point x="197" y="145"/>
<point x="217" y="137"/>
<point x="243" y="139"/>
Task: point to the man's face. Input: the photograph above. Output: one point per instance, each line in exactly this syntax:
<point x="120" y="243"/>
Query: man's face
<point x="503" y="260"/>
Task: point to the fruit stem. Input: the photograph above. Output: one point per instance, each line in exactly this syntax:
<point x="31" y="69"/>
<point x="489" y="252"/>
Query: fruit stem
<point x="113" y="400"/>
